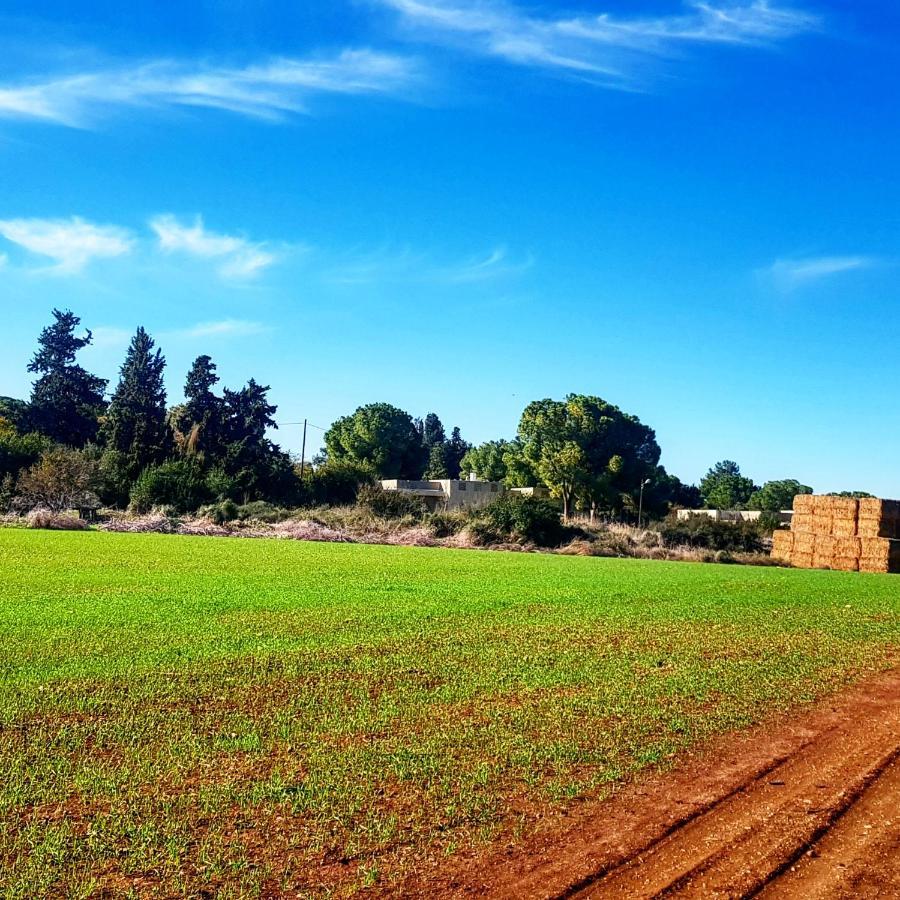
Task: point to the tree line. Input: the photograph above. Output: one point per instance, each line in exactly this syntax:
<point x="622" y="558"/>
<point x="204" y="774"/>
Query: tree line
<point x="72" y="443"/>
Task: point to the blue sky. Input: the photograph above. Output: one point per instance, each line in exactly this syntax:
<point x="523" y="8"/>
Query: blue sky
<point x="689" y="209"/>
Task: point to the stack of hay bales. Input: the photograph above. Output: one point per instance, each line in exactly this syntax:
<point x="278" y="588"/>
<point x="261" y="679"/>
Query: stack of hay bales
<point x="841" y="533"/>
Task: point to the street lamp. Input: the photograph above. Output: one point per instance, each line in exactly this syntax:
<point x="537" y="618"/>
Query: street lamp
<point x="644" y="483"/>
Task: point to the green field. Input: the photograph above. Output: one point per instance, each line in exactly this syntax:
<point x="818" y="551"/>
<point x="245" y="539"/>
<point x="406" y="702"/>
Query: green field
<point x="190" y="716"/>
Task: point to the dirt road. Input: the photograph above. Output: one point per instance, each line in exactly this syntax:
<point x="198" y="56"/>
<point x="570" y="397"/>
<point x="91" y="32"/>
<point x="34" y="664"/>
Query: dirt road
<point x="807" y="808"/>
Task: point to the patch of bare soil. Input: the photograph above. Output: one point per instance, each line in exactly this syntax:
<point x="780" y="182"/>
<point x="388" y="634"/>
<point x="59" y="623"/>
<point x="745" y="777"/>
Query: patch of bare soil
<point x="808" y="807"/>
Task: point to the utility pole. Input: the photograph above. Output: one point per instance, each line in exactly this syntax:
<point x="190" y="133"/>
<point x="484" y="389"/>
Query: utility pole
<point x="641" y="503"/>
<point x="303" y="452"/>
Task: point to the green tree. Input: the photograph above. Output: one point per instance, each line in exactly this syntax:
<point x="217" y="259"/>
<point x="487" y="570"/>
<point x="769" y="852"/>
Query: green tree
<point x="587" y="449"/>
<point x="454" y="451"/>
<point x="66" y="400"/>
<point x="18" y="451"/>
<point x="432" y="431"/>
<point x="437" y="462"/>
<point x="487" y="460"/>
<point x="198" y="423"/>
<point x="259" y="468"/>
<point x="16" y="413"/>
<point x="778" y="495"/>
<point x="723" y="486"/>
<point x="135" y="423"/>
<point x="383" y="437"/>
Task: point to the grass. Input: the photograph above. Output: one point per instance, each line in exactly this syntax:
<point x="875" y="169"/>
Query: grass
<point x="204" y="717"/>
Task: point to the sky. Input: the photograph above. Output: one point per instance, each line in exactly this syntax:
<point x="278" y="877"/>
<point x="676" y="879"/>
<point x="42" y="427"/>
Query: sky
<point x="690" y="209"/>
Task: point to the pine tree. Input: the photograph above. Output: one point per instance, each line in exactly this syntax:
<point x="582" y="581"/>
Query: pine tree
<point x="454" y="451"/>
<point x="437" y="462"/>
<point x="203" y="411"/>
<point x="135" y="424"/>
<point x="433" y="431"/>
<point x="66" y="401"/>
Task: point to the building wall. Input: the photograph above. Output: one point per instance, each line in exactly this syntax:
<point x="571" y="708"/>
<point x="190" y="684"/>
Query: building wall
<point x="448" y="494"/>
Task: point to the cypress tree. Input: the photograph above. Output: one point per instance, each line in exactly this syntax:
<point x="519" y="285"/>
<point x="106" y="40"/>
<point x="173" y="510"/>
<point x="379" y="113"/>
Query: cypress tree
<point x="66" y="400"/>
<point x="135" y="424"/>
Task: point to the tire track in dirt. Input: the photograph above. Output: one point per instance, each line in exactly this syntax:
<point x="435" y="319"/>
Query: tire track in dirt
<point x="808" y="807"/>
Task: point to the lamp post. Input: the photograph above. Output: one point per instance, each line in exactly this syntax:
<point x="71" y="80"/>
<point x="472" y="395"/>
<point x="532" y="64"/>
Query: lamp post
<point x="644" y="483"/>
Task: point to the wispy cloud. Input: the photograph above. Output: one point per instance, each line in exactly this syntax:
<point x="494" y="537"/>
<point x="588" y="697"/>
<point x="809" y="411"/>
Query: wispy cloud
<point x="268" y="90"/>
<point x="70" y="243"/>
<point x="403" y="266"/>
<point x="240" y="258"/>
<point x="788" y="274"/>
<point x="603" y="48"/>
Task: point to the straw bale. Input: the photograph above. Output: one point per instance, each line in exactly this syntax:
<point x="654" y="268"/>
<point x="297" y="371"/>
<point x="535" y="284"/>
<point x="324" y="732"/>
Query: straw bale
<point x="844" y="527"/>
<point x="802" y="522"/>
<point x="873" y="508"/>
<point x="804" y="504"/>
<point x="844" y="507"/>
<point x="845" y="563"/>
<point x="822" y="561"/>
<point x="879" y="555"/>
<point x="847" y="546"/>
<point x="802" y="560"/>
<point x="878" y="528"/>
<point x="822" y="504"/>
<point x="804" y="542"/>
<point x="782" y="545"/>
<point x="824" y="545"/>
<point x="822" y="524"/>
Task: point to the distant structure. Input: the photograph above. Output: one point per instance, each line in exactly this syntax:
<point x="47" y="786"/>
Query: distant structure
<point x="841" y="533"/>
<point x="733" y="515"/>
<point x="449" y="493"/>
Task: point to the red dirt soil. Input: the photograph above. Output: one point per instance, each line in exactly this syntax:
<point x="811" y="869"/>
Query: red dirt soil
<point x="807" y="807"/>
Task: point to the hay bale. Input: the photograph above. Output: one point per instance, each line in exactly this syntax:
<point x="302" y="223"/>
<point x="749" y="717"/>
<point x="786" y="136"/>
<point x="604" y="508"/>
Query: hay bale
<point x="822" y="504"/>
<point x="802" y="522"/>
<point x="878" y="528"/>
<point x="844" y="507"/>
<point x="845" y="563"/>
<point x="847" y="547"/>
<point x="782" y="545"/>
<point x="804" y="542"/>
<point x="879" y="555"/>
<point x="823" y="525"/>
<point x="873" y="508"/>
<point x="804" y="504"/>
<point x="844" y="527"/>
<point x="802" y="560"/>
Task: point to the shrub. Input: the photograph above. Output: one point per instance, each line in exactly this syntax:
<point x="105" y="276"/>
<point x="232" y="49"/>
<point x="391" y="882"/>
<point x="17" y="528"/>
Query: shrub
<point x="700" y="531"/>
<point x="391" y="504"/>
<point x="179" y="484"/>
<point x="447" y="524"/>
<point x="336" y="483"/>
<point x="54" y="521"/>
<point x="61" y="479"/>
<point x="511" y="517"/>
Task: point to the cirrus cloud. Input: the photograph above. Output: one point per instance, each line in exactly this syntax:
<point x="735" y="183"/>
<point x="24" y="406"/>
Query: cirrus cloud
<point x="606" y="49"/>
<point x="70" y="243"/>
<point x="240" y="258"/>
<point x="270" y="89"/>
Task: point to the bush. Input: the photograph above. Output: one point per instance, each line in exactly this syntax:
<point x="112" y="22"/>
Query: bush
<point x="391" y="504"/>
<point x="700" y="531"/>
<point x="256" y="511"/>
<point x="524" y="519"/>
<point x="337" y="483"/>
<point x="54" y="521"/>
<point x="179" y="484"/>
<point x="447" y="524"/>
<point x="61" y="479"/>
